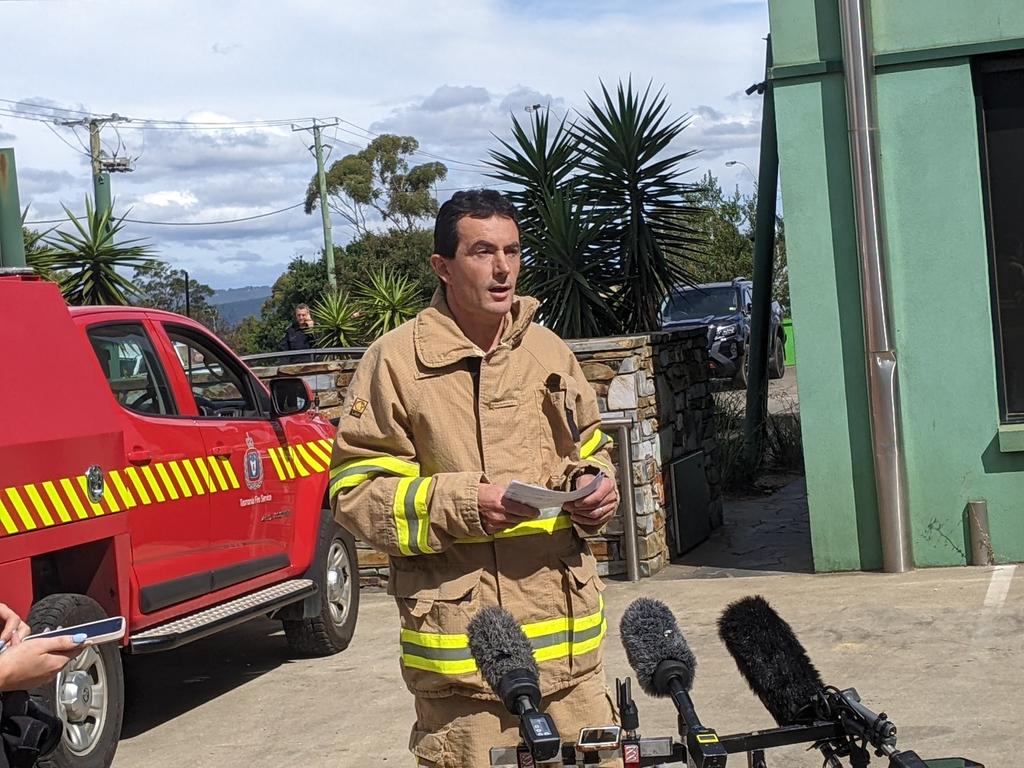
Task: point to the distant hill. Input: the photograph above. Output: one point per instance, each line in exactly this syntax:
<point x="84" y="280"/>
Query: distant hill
<point x="236" y="304"/>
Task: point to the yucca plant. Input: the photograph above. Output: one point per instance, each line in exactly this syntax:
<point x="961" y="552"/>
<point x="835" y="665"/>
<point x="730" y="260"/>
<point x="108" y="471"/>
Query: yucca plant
<point x="386" y="300"/>
<point x="569" y="267"/>
<point x="88" y="259"/>
<point x="606" y="222"/>
<point x="336" y="318"/>
<point x="631" y="176"/>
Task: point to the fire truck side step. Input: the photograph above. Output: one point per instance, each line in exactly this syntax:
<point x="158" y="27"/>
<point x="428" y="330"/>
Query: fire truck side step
<point x="184" y="630"/>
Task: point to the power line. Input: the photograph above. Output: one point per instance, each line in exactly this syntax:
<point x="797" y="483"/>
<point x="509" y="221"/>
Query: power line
<point x="73" y="147"/>
<point x="143" y="124"/>
<point x="185" y="223"/>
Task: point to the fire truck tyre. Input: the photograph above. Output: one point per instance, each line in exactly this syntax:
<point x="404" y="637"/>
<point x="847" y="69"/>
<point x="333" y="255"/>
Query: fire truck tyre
<point x="89" y="694"/>
<point x="338" y="582"/>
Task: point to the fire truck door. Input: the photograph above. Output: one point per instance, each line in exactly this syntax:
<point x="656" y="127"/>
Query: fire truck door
<point x="161" y="480"/>
<point x="251" y="521"/>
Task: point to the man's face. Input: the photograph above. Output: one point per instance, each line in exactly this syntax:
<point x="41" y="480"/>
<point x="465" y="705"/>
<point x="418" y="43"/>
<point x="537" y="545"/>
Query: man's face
<point x="302" y="318"/>
<point x="481" y="279"/>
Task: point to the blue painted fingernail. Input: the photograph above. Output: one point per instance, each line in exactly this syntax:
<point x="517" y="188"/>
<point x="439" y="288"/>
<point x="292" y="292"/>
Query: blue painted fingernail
<point x="79" y="638"/>
<point x="3" y="644"/>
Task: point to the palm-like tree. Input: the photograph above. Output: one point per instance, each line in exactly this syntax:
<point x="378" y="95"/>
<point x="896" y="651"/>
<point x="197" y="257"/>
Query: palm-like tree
<point x="87" y="259"/>
<point x="606" y="221"/>
<point x="337" y="320"/>
<point x="386" y="300"/>
<point x="630" y="174"/>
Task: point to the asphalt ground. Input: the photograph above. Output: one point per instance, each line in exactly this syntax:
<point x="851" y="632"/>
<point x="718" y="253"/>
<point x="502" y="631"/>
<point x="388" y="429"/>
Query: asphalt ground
<point x="939" y="650"/>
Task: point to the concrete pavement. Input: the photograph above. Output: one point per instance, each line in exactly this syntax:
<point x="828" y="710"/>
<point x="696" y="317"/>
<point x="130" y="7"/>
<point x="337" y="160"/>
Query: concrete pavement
<point x="939" y="650"/>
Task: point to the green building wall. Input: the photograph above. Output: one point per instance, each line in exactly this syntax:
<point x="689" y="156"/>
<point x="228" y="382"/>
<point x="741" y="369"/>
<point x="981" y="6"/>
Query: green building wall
<point x="938" y="269"/>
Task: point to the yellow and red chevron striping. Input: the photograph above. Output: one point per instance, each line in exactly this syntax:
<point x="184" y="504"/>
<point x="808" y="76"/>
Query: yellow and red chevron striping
<point x="48" y="503"/>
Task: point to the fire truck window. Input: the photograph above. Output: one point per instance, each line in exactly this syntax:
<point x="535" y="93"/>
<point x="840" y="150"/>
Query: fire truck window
<point x="132" y="369"/>
<point x="219" y="388"/>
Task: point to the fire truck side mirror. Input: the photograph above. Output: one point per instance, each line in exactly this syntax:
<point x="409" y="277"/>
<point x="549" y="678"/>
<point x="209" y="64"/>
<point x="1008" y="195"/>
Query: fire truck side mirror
<point x="290" y="396"/>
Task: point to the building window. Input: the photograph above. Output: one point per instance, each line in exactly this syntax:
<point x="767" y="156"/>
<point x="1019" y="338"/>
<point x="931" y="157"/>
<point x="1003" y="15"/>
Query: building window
<point x="999" y="85"/>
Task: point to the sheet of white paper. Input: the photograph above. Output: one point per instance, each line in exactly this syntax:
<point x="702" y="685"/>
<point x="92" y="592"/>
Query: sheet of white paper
<point x="540" y="498"/>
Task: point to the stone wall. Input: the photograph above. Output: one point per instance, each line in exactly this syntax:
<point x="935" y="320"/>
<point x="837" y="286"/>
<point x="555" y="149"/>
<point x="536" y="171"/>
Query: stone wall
<point x="658" y="381"/>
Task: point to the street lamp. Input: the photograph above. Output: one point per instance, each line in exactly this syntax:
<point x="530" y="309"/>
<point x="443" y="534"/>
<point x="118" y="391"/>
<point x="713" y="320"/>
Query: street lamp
<point x="731" y="163"/>
<point x="533" y="107"/>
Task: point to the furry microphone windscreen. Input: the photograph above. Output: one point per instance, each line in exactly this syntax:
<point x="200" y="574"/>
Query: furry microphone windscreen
<point x="771" y="659"/>
<point x="650" y="636"/>
<point x="499" y="646"/>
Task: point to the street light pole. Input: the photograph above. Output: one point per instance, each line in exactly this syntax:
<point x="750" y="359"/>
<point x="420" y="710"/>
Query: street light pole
<point x="731" y="163"/>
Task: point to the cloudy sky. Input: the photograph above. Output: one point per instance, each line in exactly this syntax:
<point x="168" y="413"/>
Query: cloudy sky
<point x="449" y="73"/>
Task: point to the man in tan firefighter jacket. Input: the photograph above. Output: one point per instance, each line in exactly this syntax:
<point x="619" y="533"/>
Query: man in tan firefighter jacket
<point x="441" y="415"/>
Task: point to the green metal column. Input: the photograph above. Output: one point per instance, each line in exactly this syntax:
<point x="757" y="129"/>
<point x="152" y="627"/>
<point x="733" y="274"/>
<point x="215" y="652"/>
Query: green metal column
<point x="764" y="257"/>
<point x="12" y="242"/>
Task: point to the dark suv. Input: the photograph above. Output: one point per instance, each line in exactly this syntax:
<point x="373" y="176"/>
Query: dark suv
<point x="725" y="309"/>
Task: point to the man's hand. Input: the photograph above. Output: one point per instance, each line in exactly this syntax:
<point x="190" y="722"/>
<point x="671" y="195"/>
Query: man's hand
<point x="498" y="513"/>
<point x="13" y="630"/>
<point x="37" y="662"/>
<point x="596" y="509"/>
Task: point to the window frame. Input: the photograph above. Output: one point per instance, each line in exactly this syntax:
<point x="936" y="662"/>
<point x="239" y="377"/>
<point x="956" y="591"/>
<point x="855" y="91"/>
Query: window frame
<point x="981" y="67"/>
<point x="155" y="365"/>
<point x="253" y="391"/>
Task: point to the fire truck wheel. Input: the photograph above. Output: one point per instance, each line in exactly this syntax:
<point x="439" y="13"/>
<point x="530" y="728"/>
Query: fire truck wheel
<point x="89" y="694"/>
<point x="337" y="579"/>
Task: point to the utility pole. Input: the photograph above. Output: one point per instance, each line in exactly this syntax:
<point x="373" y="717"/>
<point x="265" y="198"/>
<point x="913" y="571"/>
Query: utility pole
<point x="12" y="241"/>
<point x="101" y="166"/>
<point x="318" y="151"/>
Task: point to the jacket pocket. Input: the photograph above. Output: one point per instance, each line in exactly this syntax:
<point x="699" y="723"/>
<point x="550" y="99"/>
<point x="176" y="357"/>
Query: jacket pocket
<point x="586" y="605"/>
<point x="558" y="406"/>
<point x="430" y="747"/>
<point x="434" y="604"/>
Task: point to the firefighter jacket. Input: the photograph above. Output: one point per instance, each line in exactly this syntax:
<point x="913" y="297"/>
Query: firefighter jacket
<point x="427" y="418"/>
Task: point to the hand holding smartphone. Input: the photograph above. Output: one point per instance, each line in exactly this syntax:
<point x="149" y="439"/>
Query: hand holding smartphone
<point x="96" y="632"/>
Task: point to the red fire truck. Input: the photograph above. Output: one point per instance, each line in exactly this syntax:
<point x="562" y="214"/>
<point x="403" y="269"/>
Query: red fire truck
<point x="146" y="472"/>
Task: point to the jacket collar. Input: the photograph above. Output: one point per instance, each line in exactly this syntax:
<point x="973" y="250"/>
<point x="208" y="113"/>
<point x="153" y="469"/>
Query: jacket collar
<point x="440" y="342"/>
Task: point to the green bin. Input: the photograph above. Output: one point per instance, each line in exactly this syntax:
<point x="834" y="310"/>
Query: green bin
<point x="787" y="327"/>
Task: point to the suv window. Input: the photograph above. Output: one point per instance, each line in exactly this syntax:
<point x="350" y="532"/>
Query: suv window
<point x="132" y="369"/>
<point x="697" y="303"/>
<point x="221" y="390"/>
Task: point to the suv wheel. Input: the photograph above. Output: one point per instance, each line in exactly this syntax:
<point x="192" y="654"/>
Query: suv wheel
<point x="739" y="380"/>
<point x="777" y="359"/>
<point x="337" y="579"/>
<point x="88" y="694"/>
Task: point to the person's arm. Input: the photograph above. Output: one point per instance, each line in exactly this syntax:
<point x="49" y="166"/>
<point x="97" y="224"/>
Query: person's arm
<point x="378" y="490"/>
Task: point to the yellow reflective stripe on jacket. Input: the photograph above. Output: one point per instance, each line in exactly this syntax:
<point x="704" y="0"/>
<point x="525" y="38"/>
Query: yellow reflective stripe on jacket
<point x="352" y="473"/>
<point x="597" y="441"/>
<point x="551" y="519"/>
<point x="449" y="654"/>
<point x="412" y="518"/>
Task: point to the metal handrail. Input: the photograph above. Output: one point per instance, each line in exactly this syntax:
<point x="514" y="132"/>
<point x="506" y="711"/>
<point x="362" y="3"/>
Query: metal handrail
<point x="622" y="425"/>
<point x="347" y="352"/>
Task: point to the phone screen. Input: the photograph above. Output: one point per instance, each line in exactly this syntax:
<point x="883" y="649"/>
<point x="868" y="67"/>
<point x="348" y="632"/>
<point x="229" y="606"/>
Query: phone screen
<point x="596" y="736"/>
<point x="111" y="626"/>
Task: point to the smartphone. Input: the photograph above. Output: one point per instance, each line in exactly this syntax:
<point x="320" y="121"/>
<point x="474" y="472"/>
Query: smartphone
<point x="602" y="737"/>
<point x="96" y="632"/>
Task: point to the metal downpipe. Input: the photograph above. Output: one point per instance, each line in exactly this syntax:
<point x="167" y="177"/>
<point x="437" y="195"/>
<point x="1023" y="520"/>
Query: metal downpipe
<point x="882" y="372"/>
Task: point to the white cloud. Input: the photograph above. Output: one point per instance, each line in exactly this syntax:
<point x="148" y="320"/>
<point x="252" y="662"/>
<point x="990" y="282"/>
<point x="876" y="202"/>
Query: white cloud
<point x="449" y="74"/>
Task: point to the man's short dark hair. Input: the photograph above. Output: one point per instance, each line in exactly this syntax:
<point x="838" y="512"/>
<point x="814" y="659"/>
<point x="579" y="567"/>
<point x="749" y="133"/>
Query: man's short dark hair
<point x="477" y="203"/>
<point x="300" y="306"/>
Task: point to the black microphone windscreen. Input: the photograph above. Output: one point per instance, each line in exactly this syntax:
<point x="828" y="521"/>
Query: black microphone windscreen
<point x="650" y="636"/>
<point x="771" y="659"/>
<point x="499" y="646"/>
